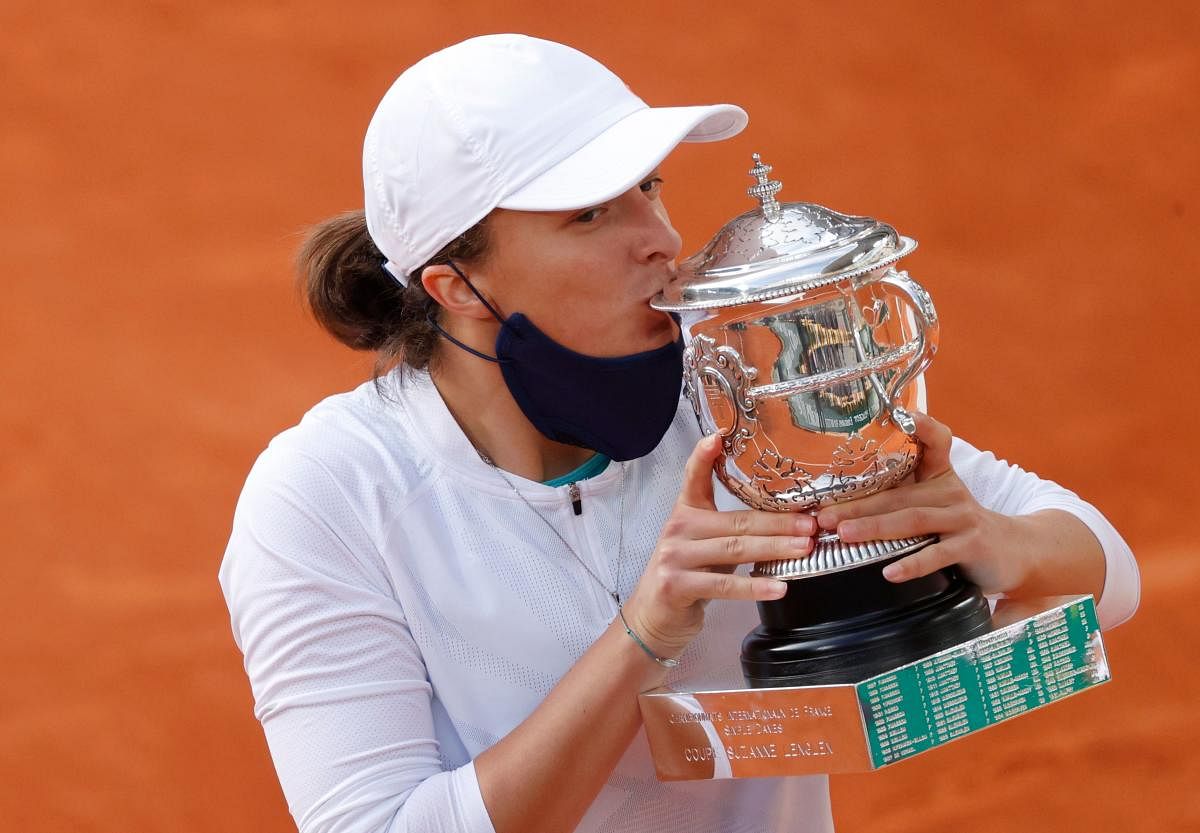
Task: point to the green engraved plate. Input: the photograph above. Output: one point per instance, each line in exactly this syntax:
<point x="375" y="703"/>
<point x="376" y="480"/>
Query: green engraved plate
<point x="1000" y="675"/>
<point x="1039" y="651"/>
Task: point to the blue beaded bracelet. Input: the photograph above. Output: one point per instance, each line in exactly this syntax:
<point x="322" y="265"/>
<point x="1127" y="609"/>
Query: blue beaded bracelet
<point x="665" y="663"/>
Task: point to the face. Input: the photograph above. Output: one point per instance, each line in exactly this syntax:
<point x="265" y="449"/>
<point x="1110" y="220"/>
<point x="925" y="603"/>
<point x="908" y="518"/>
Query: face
<point x="586" y="277"/>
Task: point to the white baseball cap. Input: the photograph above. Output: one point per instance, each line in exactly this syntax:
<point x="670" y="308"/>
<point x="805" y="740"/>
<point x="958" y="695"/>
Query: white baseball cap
<point x="510" y="121"/>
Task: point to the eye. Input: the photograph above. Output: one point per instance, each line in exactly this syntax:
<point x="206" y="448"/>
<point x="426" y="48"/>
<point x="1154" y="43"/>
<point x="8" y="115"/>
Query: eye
<point x="652" y="186"/>
<point x="590" y="215"/>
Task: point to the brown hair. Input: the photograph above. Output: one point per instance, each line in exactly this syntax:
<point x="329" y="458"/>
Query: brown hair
<point x="340" y="272"/>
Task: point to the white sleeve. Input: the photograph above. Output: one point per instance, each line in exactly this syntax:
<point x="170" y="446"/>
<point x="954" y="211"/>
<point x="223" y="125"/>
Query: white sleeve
<point x="339" y="684"/>
<point x="1008" y="489"/>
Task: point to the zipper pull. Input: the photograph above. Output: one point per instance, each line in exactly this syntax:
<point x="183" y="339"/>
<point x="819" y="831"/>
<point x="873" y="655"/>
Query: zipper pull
<point x="576" y="498"/>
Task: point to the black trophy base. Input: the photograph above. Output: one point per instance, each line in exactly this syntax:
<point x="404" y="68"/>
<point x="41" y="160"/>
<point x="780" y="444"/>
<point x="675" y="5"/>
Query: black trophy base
<point x="844" y="627"/>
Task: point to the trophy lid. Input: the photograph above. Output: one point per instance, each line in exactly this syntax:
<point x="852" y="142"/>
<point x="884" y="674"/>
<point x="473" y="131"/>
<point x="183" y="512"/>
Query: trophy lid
<point x="780" y="249"/>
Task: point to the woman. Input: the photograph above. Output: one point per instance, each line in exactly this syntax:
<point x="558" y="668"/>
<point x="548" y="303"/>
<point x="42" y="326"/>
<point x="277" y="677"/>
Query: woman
<point x="451" y="585"/>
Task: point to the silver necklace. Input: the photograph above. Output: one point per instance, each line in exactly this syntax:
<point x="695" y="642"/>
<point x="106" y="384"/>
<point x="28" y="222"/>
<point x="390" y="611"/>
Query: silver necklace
<point x="613" y="593"/>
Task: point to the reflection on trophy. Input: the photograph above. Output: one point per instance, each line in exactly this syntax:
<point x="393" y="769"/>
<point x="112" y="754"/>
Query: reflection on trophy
<point x="804" y="344"/>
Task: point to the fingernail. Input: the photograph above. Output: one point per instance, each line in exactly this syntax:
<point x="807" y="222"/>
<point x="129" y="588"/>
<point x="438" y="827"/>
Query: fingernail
<point x="777" y="590"/>
<point x="893" y="572"/>
<point x="827" y="519"/>
<point x="848" y="529"/>
<point x="806" y="524"/>
<point x="802" y="544"/>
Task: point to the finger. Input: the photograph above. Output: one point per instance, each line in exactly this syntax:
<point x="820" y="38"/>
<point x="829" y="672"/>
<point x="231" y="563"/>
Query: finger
<point x="936" y="439"/>
<point x="929" y="493"/>
<point x="927" y="560"/>
<point x="696" y="585"/>
<point x="697" y="490"/>
<point x="712" y="524"/>
<point x="904" y="523"/>
<point x="741" y="549"/>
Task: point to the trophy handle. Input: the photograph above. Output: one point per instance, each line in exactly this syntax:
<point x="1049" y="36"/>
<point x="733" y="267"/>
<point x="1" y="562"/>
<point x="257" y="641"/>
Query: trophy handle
<point x="721" y="367"/>
<point x="926" y="343"/>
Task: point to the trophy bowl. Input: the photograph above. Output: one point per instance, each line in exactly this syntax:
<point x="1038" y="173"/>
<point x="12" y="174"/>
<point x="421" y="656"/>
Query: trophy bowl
<point x="804" y="346"/>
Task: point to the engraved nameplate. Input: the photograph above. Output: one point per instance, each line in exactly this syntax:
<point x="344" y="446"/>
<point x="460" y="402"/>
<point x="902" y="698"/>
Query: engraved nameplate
<point x="1037" y="653"/>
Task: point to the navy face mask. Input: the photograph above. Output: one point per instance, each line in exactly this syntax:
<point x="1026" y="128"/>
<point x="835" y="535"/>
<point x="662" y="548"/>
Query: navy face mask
<point x="620" y="407"/>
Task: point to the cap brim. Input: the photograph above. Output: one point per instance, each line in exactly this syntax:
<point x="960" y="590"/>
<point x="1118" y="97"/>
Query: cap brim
<point x="622" y="156"/>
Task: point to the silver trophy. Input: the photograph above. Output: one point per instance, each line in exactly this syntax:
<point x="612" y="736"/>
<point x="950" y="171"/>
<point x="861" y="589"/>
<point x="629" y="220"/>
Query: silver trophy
<point x="804" y="343"/>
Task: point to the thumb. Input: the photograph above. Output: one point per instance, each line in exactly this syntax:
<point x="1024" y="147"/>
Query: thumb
<point x="697" y="490"/>
<point x="935" y="439"/>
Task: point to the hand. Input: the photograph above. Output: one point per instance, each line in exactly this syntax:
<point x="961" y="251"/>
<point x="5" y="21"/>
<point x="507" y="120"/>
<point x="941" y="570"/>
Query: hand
<point x="697" y="552"/>
<point x="983" y="543"/>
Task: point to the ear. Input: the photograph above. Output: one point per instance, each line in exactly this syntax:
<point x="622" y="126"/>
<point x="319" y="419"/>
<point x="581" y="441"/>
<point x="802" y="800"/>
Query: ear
<point x="452" y="293"/>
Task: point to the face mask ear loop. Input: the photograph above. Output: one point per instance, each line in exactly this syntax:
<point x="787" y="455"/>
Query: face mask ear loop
<point x="432" y="323"/>
<point x="471" y="286"/>
<point x="455" y="341"/>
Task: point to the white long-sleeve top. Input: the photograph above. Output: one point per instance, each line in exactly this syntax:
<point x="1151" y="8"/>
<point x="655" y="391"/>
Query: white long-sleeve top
<point x="401" y="609"/>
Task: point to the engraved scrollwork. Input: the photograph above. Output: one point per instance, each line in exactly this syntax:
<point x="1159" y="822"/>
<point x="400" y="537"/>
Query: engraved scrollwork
<point x="879" y="470"/>
<point x="770" y="465"/>
<point x="900" y="465"/>
<point x="855" y="450"/>
<point x="771" y="468"/>
<point x="721" y="366"/>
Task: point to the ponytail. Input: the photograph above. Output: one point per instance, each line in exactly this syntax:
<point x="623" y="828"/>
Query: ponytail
<point x="341" y="276"/>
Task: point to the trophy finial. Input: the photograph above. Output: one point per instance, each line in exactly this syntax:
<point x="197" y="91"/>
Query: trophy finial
<point x="765" y="189"/>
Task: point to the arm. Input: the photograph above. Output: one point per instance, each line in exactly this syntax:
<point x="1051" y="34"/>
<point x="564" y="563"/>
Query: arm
<point x="338" y="681"/>
<point x="1010" y="532"/>
<point x="341" y="690"/>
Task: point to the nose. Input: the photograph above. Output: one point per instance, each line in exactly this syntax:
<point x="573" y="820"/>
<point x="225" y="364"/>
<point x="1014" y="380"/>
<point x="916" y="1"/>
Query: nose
<point x="655" y="238"/>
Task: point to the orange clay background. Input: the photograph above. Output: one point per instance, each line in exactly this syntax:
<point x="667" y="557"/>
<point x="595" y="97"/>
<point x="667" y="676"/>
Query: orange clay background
<point x="159" y="160"/>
